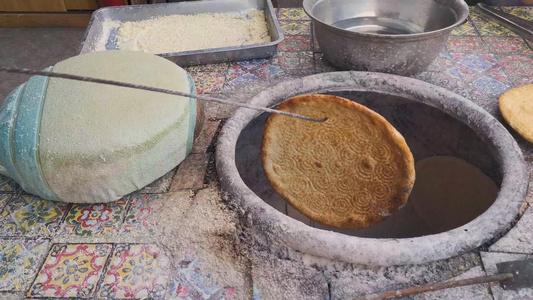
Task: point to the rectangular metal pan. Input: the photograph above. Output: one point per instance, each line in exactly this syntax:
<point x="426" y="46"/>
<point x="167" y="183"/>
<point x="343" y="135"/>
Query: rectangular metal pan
<point x="99" y="32"/>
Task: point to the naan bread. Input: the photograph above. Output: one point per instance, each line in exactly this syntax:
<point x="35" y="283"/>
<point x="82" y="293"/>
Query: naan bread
<point x="516" y="106"/>
<point x="352" y="171"/>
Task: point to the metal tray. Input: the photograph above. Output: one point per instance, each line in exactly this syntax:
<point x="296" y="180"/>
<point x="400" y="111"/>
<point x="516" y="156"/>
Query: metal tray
<point x="98" y="34"/>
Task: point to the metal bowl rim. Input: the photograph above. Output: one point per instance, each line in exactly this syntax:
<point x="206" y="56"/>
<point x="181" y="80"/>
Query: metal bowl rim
<point x="462" y="19"/>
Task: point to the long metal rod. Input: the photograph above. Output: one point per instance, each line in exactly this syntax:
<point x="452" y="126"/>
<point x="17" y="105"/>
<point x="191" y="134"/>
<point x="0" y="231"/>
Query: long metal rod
<point x="153" y="89"/>
<point x="436" y="287"/>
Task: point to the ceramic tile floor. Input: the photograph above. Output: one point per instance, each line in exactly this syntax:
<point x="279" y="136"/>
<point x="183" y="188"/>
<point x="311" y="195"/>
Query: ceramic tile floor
<point x="54" y="250"/>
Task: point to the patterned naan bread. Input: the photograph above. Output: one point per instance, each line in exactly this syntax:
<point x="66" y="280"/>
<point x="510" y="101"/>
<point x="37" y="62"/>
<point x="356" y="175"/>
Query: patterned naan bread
<point x="516" y="106"/>
<point x="352" y="171"/>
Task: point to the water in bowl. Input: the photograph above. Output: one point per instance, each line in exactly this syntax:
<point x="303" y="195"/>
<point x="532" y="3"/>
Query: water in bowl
<point x="379" y="25"/>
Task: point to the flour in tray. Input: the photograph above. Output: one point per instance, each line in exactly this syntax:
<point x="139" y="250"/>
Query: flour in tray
<point x="108" y="28"/>
<point x="178" y="33"/>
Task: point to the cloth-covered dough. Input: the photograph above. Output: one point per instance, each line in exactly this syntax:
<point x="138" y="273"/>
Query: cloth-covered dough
<point x="97" y="143"/>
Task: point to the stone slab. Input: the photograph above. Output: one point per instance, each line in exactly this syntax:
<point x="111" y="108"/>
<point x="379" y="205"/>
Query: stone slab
<point x="276" y="278"/>
<point x="490" y="259"/>
<point x="191" y="173"/>
<point x="473" y="292"/>
<point x="520" y="238"/>
<point x="203" y="142"/>
<point x="348" y="281"/>
<point x="20" y="260"/>
<point x="199" y="230"/>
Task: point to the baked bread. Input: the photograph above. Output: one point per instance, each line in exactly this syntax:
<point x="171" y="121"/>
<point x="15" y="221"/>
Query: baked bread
<point x="352" y="171"/>
<point x="516" y="106"/>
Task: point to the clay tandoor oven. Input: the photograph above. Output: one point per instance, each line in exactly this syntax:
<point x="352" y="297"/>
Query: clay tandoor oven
<point x="434" y="122"/>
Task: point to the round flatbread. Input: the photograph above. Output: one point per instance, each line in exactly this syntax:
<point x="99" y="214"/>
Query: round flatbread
<point x="352" y="171"/>
<point x="516" y="106"/>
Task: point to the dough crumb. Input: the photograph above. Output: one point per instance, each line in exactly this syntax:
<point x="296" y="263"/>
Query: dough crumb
<point x="178" y="33"/>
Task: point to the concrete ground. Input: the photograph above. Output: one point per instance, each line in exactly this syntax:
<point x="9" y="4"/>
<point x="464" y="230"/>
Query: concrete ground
<point x="35" y="48"/>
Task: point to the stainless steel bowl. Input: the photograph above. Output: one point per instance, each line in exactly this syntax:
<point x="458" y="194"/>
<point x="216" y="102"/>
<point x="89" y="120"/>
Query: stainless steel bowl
<point x="393" y="36"/>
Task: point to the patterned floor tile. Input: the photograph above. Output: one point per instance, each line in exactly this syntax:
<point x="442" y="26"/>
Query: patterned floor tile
<point x="8" y="186"/>
<point x="519" y="80"/>
<point x="242" y="78"/>
<point x="141" y="219"/>
<point x="462" y="66"/>
<point x="4" y="198"/>
<point x="19" y="262"/>
<point x="71" y="270"/>
<point x="276" y="71"/>
<point x="88" y="220"/>
<point x="474" y="63"/>
<point x="257" y="294"/>
<point x="293" y="14"/>
<point x="508" y="46"/>
<point x="465" y="44"/>
<point x="253" y="64"/>
<point x="487" y="27"/>
<point x="247" y="75"/>
<point x="524" y="12"/>
<point x="30" y="216"/>
<point x="190" y="284"/>
<point x="490" y="86"/>
<point x="135" y="271"/>
<point x="296" y="43"/>
<point x="485" y="99"/>
<point x="217" y="68"/>
<point x="287" y="63"/>
<point x="518" y="67"/>
<point x="208" y="82"/>
<point x="296" y="27"/>
<point x="485" y="87"/>
<point x="476" y="68"/>
<point x="493" y="29"/>
<point x="465" y="29"/>
<point x="444" y="62"/>
<point x="248" y="82"/>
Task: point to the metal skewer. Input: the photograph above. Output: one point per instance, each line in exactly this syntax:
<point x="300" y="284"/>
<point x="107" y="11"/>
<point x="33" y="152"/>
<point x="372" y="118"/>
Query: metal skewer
<point x="153" y="89"/>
